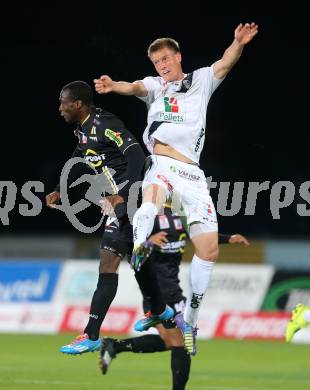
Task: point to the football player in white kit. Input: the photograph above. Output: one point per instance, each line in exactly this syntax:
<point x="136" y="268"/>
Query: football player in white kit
<point x="175" y="133"/>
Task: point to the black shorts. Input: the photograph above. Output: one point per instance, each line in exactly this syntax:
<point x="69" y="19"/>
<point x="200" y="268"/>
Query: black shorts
<point x="167" y="268"/>
<point x="117" y="236"/>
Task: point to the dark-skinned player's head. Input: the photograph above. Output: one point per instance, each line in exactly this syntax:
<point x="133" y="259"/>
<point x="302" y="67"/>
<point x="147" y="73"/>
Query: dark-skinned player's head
<point x="76" y="101"/>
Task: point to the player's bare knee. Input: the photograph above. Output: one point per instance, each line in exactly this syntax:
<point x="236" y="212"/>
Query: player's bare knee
<point x="109" y="262"/>
<point x="214" y="254"/>
<point x="210" y="254"/>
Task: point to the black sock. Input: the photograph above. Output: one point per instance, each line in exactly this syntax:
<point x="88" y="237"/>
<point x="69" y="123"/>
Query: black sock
<point x="102" y="299"/>
<point x="180" y="367"/>
<point x="144" y="344"/>
<point x="147" y="280"/>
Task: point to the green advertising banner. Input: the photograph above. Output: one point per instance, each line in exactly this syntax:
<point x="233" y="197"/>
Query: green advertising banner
<point x="286" y="290"/>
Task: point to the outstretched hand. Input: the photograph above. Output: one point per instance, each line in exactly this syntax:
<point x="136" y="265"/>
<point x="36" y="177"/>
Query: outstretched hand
<point x="52" y="199"/>
<point x="238" y="239"/>
<point x="104" y="84"/>
<point x="244" y="33"/>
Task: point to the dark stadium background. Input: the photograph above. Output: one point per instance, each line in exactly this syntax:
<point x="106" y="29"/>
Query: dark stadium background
<point x="257" y="123"/>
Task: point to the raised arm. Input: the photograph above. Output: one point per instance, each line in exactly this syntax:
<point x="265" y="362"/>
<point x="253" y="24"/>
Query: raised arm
<point x="105" y="85"/>
<point x="244" y="34"/>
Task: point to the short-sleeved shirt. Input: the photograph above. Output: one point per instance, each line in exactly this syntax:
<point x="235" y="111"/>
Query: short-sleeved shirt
<point x="177" y="111"/>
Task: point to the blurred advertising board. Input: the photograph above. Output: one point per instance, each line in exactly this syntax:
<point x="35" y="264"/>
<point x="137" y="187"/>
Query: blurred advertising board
<point x="287" y="288"/>
<point x="78" y="282"/>
<point x="118" y="320"/>
<point x="28" y="281"/>
<point x="260" y="325"/>
<point x="235" y="286"/>
<point x="30" y="318"/>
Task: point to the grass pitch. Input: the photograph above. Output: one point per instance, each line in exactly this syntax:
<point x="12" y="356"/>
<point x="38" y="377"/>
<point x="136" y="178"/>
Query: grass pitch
<point x="32" y="362"/>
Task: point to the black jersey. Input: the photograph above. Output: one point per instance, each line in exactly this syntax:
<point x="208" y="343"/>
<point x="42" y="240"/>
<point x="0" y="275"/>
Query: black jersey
<point x="173" y="225"/>
<point x="168" y="258"/>
<point x="104" y="142"/>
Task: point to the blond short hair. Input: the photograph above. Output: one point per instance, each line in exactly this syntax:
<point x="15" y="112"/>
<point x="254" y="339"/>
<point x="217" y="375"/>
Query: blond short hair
<point x="161" y="43"/>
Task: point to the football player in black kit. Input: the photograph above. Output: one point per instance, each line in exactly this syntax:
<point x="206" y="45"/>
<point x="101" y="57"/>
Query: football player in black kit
<point x="166" y="260"/>
<point x="112" y="151"/>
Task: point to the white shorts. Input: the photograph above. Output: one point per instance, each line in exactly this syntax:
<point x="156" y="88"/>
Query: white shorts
<point x="187" y="185"/>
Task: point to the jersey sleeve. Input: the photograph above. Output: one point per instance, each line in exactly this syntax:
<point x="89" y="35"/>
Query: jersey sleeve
<point x="152" y="85"/>
<point x="207" y="78"/>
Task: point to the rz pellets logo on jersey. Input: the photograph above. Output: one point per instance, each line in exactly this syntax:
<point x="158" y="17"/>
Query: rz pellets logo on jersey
<point x="171" y="104"/>
<point x="114" y="136"/>
<point x="171" y="109"/>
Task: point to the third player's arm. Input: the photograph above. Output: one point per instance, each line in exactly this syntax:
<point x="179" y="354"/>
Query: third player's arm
<point x="233" y="239"/>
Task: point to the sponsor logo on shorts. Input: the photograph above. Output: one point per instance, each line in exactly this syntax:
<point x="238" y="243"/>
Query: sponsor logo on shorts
<point x="196" y="300"/>
<point x="187" y="175"/>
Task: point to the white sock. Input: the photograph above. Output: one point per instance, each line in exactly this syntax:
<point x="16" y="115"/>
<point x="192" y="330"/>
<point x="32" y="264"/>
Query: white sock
<point x="143" y="222"/>
<point x="199" y="277"/>
<point x="307" y="315"/>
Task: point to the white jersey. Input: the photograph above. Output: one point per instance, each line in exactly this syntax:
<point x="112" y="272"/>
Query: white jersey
<point x="177" y="111"/>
